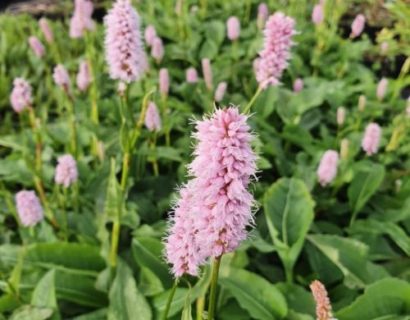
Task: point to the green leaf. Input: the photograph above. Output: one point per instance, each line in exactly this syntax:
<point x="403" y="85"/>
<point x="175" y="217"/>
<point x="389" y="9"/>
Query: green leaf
<point x="187" y="312"/>
<point x="349" y="256"/>
<point x="255" y="294"/>
<point x="215" y="32"/>
<point x="126" y="302"/>
<point x="147" y="252"/>
<point x="83" y="258"/>
<point x="288" y="209"/>
<point x="96" y="315"/>
<point x="388" y="297"/>
<point x="365" y="183"/>
<point x="31" y="313"/>
<point x="44" y="294"/>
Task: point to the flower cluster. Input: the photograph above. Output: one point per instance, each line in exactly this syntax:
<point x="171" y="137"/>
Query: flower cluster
<point x="20" y="97"/>
<point x="220" y="208"/>
<point x="323" y="306"/>
<point x="152" y="117"/>
<point x="327" y="169"/>
<point x="124" y="49"/>
<point x="81" y="20"/>
<point x="29" y="208"/>
<point x="66" y="171"/>
<point x="273" y="59"/>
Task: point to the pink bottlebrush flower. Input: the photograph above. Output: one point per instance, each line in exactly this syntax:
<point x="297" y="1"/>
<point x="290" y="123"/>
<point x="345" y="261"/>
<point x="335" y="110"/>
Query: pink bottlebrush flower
<point x="371" y="138"/>
<point x="384" y="47"/>
<point x="164" y="82"/>
<point x="152" y="117"/>
<point x="28" y="208"/>
<point x="327" y="169"/>
<point x="223" y="167"/>
<point x="220" y="91"/>
<point x="298" y="85"/>
<point x="323" y="306"/>
<point x="317" y="14"/>
<point x="358" y="26"/>
<point x="124" y="49"/>
<point x="150" y="34"/>
<point x="36" y="46"/>
<point x="66" y="171"/>
<point x="273" y="59"/>
<point x="81" y="21"/>
<point x="207" y="73"/>
<point x="61" y="77"/>
<point x="340" y="116"/>
<point x="263" y="13"/>
<point x="157" y="49"/>
<point x="83" y="76"/>
<point x="191" y="75"/>
<point x="233" y="26"/>
<point x="381" y="88"/>
<point x="46" y="30"/>
<point x="362" y="103"/>
<point x="182" y="248"/>
<point x="20" y="97"/>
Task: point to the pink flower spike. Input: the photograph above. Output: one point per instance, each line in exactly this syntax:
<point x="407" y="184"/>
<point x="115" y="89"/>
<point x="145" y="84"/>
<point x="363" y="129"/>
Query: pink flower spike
<point x="81" y="21"/>
<point x="182" y="248"/>
<point x="233" y="26"/>
<point x="61" y="77"/>
<point x="273" y="59"/>
<point x="371" y="138"/>
<point x="263" y="13"/>
<point x="124" y="50"/>
<point x="20" y="97"/>
<point x="327" y="169"/>
<point x="152" y="117"/>
<point x="207" y="73"/>
<point x="83" y="76"/>
<point x="191" y="75"/>
<point x="298" y="85"/>
<point x="317" y="14"/>
<point x="220" y="91"/>
<point x="157" y="49"/>
<point x="164" y="82"/>
<point x="381" y="89"/>
<point x="340" y="116"/>
<point x="28" y="208"/>
<point x="358" y="26"/>
<point x="323" y="306"/>
<point x="46" y="30"/>
<point x="150" y="34"/>
<point x="66" y="171"/>
<point x="36" y="46"/>
<point x="222" y="169"/>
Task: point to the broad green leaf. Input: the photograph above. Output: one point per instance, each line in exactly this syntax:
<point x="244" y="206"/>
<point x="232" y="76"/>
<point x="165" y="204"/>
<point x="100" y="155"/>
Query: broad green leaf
<point x="79" y="289"/>
<point x="31" y="313"/>
<point x="395" y="232"/>
<point x="288" y="208"/>
<point x="44" y="294"/>
<point x="297" y="298"/>
<point x="82" y="258"/>
<point x="365" y="183"/>
<point x="8" y="302"/>
<point x="388" y="297"/>
<point x="126" y="302"/>
<point x="147" y="252"/>
<point x="100" y="314"/>
<point x="349" y="256"/>
<point x="255" y="294"/>
<point x="215" y="31"/>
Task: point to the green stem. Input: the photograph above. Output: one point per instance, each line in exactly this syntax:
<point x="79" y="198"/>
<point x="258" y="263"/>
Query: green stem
<point x="214" y="281"/>
<point x="125" y="170"/>
<point x="255" y="96"/>
<point x="200" y="306"/>
<point x="170" y="298"/>
<point x="73" y="126"/>
<point x="65" y="219"/>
